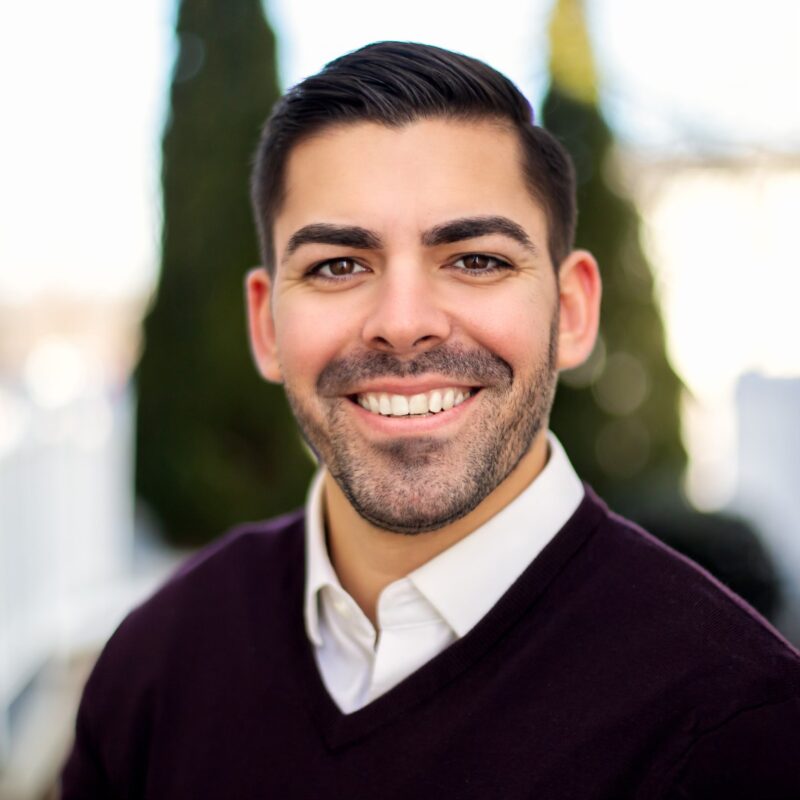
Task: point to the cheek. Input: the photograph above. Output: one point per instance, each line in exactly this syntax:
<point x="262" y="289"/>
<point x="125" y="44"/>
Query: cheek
<point x="308" y="336"/>
<point x="514" y="326"/>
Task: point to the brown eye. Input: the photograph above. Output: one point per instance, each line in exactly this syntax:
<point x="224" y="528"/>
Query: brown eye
<point x="477" y="261"/>
<point x="339" y="268"/>
<point x="344" y="266"/>
<point x="480" y="262"/>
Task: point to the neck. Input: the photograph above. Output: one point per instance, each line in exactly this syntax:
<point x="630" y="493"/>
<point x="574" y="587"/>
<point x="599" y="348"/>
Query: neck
<point x="367" y="558"/>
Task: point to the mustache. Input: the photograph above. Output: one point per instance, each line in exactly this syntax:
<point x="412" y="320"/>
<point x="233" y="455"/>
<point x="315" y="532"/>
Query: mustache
<point x="476" y="366"/>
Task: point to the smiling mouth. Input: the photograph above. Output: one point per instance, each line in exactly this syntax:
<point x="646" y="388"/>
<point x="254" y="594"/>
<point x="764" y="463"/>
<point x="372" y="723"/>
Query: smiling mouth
<point x="422" y="404"/>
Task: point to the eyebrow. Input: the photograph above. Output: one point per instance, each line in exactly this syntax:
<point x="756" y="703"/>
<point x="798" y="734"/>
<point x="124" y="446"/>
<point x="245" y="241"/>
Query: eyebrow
<point x="325" y="233"/>
<point x="458" y="230"/>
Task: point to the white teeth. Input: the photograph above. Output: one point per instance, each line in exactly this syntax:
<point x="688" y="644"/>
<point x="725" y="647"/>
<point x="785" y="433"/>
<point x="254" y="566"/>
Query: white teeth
<point x="418" y="404"/>
<point x="399" y="405"/>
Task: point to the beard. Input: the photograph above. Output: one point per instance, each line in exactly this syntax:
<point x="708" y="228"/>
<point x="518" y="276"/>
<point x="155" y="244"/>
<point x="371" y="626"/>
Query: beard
<point x="413" y="485"/>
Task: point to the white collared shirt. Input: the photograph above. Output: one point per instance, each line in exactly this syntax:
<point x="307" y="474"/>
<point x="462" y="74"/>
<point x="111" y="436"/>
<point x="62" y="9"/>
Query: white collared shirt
<point x="421" y="614"/>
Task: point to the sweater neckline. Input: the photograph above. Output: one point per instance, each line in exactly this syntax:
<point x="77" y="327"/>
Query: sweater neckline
<point x="339" y="729"/>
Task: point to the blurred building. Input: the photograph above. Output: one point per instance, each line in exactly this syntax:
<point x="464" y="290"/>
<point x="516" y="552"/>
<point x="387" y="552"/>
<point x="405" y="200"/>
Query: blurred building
<point x="768" y="475"/>
<point x="67" y="566"/>
<point x="720" y="232"/>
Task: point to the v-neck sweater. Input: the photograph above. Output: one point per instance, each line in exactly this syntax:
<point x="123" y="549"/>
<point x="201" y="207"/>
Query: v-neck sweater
<point x="612" y="668"/>
<point x="422" y="613"/>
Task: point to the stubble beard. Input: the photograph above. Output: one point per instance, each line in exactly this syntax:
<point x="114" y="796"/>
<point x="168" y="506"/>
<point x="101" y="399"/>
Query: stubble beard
<point x="416" y="485"/>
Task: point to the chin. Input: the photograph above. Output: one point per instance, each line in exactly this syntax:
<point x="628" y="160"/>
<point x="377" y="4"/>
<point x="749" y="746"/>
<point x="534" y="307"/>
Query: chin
<point x="417" y="486"/>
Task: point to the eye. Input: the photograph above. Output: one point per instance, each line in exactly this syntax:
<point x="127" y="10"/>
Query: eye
<point x="338" y="268"/>
<point x="480" y="263"/>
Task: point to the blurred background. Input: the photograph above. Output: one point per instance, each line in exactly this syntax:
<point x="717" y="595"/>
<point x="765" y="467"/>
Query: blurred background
<point x="133" y="427"/>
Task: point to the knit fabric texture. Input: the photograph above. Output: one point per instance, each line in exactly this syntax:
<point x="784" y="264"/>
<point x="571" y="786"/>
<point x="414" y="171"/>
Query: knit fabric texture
<point x="612" y="668"/>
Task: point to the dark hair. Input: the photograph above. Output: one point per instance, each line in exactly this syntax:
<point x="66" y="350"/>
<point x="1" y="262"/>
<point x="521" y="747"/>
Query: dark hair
<point x="395" y="83"/>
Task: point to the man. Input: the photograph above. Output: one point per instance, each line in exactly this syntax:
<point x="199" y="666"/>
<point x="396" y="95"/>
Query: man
<point x="454" y="614"/>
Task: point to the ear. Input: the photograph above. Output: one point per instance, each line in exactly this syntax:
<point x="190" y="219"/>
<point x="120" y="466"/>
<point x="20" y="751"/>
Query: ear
<point x="580" y="290"/>
<point x="261" y="325"/>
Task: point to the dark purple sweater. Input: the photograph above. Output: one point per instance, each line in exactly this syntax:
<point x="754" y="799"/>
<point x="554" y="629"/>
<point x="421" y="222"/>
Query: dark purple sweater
<point x="612" y="668"/>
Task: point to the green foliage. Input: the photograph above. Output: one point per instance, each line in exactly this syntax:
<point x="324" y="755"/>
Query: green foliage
<point x="215" y="444"/>
<point x="618" y="416"/>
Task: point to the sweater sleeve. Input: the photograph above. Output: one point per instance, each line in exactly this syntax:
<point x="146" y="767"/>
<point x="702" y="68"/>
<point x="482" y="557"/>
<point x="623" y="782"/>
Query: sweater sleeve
<point x="755" y="753"/>
<point x="83" y="776"/>
<point x="110" y="753"/>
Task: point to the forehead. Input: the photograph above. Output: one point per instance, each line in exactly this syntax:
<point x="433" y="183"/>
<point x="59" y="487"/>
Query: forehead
<point x="396" y="180"/>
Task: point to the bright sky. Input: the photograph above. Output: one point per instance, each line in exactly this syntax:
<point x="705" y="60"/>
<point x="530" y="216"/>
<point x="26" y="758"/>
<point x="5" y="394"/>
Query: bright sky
<point x="82" y="94"/>
<point x="720" y="70"/>
<point x="83" y="87"/>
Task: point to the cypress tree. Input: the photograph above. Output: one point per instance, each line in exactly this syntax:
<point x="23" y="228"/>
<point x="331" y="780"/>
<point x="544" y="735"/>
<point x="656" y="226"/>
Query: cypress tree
<point x="618" y="416"/>
<point x="215" y="444"/>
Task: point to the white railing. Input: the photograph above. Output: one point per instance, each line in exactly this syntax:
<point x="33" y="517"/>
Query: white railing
<point x="66" y="525"/>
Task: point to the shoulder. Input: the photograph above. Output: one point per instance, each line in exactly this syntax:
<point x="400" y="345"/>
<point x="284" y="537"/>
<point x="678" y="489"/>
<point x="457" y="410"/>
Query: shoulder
<point x="720" y="673"/>
<point x="209" y="613"/>
<point x="252" y="561"/>
<point x="665" y="595"/>
<point x="676" y="589"/>
<point x="721" y="684"/>
<point x="252" y="549"/>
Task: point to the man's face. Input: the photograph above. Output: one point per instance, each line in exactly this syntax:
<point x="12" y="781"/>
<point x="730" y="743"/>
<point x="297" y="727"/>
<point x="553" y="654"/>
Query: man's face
<point x="414" y="311"/>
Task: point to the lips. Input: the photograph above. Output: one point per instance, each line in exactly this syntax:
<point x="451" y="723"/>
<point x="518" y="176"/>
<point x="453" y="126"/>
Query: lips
<point x="439" y="369"/>
<point x="400" y="405"/>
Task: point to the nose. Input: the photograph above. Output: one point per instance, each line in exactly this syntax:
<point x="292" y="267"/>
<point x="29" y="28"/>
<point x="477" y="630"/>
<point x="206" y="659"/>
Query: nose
<point x="407" y="315"/>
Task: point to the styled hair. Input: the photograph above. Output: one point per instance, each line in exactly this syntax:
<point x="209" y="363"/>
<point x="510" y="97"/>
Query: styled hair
<point x="394" y="84"/>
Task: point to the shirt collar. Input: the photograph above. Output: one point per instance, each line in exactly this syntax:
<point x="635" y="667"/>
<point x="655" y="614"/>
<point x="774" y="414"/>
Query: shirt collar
<point x="457" y="582"/>
<point x="467" y="579"/>
<point x="319" y="570"/>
